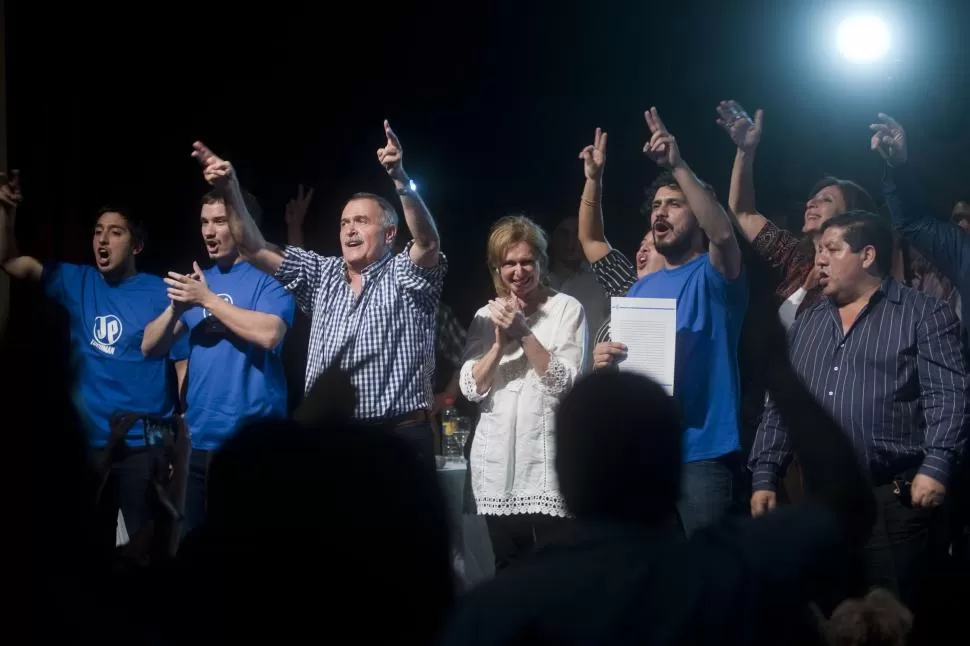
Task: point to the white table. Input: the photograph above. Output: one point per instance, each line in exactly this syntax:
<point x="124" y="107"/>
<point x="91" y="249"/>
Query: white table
<point x="471" y="551"/>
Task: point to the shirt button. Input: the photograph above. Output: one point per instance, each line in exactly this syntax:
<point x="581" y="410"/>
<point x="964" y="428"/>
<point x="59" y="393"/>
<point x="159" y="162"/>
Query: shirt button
<point x="831" y="393"/>
<point x="836" y="368"/>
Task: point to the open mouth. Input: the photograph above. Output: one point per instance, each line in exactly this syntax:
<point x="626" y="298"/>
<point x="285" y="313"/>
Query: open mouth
<point x="661" y="227"/>
<point x="354" y="243"/>
<point x="103" y="257"/>
<point x="211" y="246"/>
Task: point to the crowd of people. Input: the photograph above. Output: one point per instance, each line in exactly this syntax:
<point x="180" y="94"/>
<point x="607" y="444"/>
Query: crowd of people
<point x="826" y="370"/>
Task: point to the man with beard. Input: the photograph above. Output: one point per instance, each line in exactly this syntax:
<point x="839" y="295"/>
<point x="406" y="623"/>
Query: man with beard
<point x="236" y="318"/>
<point x="108" y="305"/>
<point x="703" y="272"/>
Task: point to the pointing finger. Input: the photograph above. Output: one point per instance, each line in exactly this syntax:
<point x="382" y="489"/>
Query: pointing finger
<point x="198" y="271"/>
<point x="391" y="137"/>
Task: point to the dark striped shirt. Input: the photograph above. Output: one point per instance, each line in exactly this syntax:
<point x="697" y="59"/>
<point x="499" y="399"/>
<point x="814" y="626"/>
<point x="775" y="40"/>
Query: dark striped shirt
<point x="616" y="274"/>
<point x="896" y="383"/>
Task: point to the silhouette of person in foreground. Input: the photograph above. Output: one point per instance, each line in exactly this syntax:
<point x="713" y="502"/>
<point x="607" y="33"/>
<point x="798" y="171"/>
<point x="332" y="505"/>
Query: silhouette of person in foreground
<point x="622" y="576"/>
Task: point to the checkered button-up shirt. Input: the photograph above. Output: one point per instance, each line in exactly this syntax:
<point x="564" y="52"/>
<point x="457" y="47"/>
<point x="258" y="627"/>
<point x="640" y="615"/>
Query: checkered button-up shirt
<point x="385" y="336"/>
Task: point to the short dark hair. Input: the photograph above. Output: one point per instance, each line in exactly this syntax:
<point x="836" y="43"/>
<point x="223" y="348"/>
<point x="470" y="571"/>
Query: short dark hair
<point x="862" y="229"/>
<point x="664" y="180"/>
<point x="135" y="226"/>
<point x="390" y="213"/>
<point x="216" y="196"/>
<point x="856" y="198"/>
<point x="618" y="449"/>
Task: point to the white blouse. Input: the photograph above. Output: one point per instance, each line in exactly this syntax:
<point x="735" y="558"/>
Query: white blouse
<point x="512" y="455"/>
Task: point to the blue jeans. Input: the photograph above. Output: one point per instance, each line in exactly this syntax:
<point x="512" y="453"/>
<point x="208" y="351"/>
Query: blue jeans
<point x="709" y="491"/>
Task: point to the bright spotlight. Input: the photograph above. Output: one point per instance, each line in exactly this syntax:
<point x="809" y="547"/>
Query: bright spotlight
<point x="413" y="185"/>
<point x="863" y="39"/>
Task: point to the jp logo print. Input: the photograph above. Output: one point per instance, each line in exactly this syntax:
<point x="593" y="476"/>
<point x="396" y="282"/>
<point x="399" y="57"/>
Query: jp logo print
<point x="225" y="297"/>
<point x="107" y="330"/>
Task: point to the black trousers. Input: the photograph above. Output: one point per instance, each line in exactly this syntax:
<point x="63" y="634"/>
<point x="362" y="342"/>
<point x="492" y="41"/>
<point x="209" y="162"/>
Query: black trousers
<point x="126" y="489"/>
<point x="903" y="548"/>
<point x="515" y="537"/>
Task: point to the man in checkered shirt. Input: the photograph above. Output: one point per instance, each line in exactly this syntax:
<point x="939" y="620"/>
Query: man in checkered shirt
<point x="371" y="309"/>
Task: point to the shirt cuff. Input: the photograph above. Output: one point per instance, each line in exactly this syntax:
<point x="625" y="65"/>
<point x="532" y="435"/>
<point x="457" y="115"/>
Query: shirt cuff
<point x="289" y="266"/>
<point x="764" y="478"/>
<point x="937" y="465"/>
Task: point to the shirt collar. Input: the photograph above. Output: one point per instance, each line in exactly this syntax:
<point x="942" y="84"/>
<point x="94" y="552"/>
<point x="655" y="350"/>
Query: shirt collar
<point x="369" y="269"/>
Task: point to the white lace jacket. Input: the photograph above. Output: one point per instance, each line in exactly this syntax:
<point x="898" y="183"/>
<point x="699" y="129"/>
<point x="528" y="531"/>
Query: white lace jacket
<point x="512" y="456"/>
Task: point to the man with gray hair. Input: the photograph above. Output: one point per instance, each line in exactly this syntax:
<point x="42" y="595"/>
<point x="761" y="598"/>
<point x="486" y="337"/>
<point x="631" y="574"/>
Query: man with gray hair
<point x="372" y="310"/>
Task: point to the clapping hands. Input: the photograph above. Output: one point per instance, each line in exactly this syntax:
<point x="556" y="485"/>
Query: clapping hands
<point x="508" y="318"/>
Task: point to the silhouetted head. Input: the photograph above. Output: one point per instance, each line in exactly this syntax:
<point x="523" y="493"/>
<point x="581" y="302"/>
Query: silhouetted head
<point x="618" y="449"/>
<point x="320" y="525"/>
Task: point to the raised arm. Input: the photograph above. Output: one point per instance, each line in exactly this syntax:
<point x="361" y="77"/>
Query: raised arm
<point x="945" y="244"/>
<point x="746" y="135"/>
<point x="220" y="174"/>
<point x="22" y="267"/>
<point x="662" y="149"/>
<point x="592" y="234"/>
<point x="424" y="251"/>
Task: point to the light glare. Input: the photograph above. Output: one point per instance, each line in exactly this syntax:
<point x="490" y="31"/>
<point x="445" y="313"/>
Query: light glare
<point x="863" y="39"/>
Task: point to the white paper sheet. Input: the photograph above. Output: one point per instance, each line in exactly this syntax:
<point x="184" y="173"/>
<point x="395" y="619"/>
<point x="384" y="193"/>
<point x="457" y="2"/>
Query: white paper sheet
<point x="648" y="328"/>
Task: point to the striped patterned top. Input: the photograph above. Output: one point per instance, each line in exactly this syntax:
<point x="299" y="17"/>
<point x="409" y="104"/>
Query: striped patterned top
<point x="896" y="383"/>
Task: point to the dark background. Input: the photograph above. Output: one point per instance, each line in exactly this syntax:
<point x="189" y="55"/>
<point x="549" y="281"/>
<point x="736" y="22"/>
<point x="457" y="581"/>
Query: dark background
<point x="492" y="101"/>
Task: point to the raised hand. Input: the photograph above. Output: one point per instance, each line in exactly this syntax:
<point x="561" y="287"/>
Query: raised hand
<point x="889" y="139"/>
<point x="594" y="156"/>
<point x="391" y="155"/>
<point x="662" y="147"/>
<point x="215" y="170"/>
<point x="297" y="207"/>
<point x="188" y="290"/>
<point x="745" y="133"/>
<point x="509" y="318"/>
<point x="10" y="194"/>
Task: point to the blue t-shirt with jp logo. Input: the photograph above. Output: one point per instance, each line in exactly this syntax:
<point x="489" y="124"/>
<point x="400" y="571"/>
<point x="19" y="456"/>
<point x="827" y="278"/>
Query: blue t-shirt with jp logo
<point x="107" y="324"/>
<point x="710" y="311"/>
<point x="230" y="379"/>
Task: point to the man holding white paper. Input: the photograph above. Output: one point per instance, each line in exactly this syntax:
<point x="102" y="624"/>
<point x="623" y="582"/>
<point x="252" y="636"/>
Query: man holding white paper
<point x="703" y="275"/>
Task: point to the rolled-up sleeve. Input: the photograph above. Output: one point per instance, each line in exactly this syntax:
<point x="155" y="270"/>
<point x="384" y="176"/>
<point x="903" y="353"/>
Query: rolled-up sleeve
<point x="303" y="272"/>
<point x="421" y="285"/>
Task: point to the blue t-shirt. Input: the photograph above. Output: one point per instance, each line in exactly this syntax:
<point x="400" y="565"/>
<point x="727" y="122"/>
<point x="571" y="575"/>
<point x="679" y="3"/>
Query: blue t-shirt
<point x="710" y="311"/>
<point x="231" y="380"/>
<point x="107" y="324"/>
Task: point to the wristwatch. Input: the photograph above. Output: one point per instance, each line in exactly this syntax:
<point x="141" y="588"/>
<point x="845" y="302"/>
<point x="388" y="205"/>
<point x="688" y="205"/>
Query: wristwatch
<point x="404" y="190"/>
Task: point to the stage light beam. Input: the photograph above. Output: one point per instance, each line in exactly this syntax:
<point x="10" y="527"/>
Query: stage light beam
<point x="863" y="39"/>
